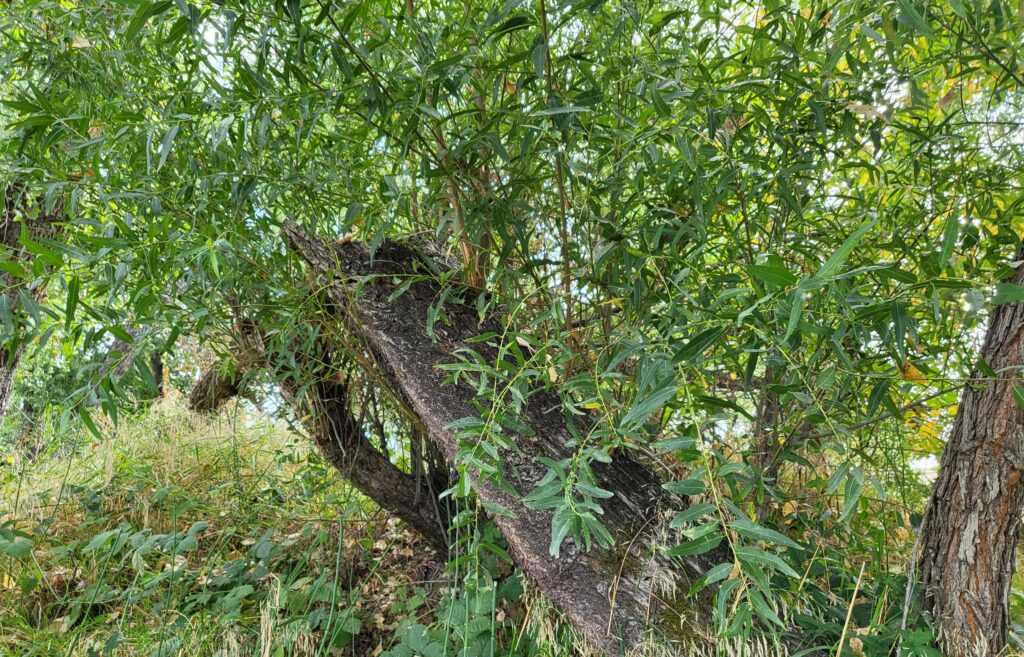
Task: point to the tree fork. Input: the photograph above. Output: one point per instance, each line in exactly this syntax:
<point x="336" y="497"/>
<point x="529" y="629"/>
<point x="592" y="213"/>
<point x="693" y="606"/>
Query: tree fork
<point x="325" y="410"/>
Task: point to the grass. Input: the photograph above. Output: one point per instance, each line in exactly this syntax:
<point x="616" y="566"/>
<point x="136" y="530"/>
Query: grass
<point x="181" y="535"/>
<point x="185" y="535"/>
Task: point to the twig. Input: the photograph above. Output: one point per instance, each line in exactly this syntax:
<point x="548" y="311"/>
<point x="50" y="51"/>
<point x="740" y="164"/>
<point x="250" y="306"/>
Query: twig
<point x="849" y="611"/>
<point x="563" y="226"/>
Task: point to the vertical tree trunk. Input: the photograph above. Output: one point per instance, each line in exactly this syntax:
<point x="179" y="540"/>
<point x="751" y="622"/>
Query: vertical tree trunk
<point x="9" y="358"/>
<point x="14" y="213"/>
<point x="970" y="531"/>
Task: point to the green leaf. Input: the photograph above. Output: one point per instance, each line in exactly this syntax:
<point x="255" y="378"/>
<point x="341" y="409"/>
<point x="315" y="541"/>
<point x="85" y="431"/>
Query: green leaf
<point x="949" y="237"/>
<point x="72" y="301"/>
<point x="560" y="525"/>
<point x="1007" y="293"/>
<point x="851" y="495"/>
<point x="701" y="545"/>
<point x="878" y="392"/>
<point x="593" y="491"/>
<point x="538" y="56"/>
<point x="19" y="548"/>
<point x="121" y="334"/>
<point x="839" y="258"/>
<point x="748" y="529"/>
<point x="643" y="409"/>
<point x="145" y="12"/>
<point x="691" y="513"/>
<point x="796" y="310"/>
<point x="463" y="486"/>
<point x="778" y="276"/>
<point x="89" y="424"/>
<point x="698" y="344"/>
<point x="691" y="486"/>
<point x="1018" y="394"/>
<point x="764" y="609"/>
<point x="166" y="144"/>
<point x="714" y="575"/>
<point x="659" y="103"/>
<point x="568" y="109"/>
<point x="912" y="17"/>
<point x="752" y="554"/>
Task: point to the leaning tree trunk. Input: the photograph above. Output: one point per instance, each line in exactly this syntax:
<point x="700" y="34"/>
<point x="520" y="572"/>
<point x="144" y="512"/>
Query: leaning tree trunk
<point x="970" y="531"/>
<point x="15" y="213"/>
<point x="325" y="410"/>
<point x="611" y="598"/>
<point x="213" y="389"/>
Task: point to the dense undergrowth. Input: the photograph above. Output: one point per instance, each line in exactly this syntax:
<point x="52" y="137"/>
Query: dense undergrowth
<point x="181" y="534"/>
<point x="184" y="535"/>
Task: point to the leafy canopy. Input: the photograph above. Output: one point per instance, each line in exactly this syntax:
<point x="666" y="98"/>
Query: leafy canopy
<point x="690" y="213"/>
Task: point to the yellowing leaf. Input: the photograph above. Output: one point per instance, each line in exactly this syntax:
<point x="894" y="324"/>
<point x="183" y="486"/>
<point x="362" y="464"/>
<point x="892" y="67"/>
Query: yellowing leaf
<point x="911" y="373"/>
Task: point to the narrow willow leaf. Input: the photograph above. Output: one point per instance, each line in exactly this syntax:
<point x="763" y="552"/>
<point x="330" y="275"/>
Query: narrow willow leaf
<point x="145" y="12"/>
<point x="560" y="525"/>
<point x="643" y="409"/>
<point x="1018" y="394"/>
<point x="795" y="312"/>
<point x="880" y="390"/>
<point x="764" y="609"/>
<point x="691" y="486"/>
<point x="751" y="554"/>
<point x="1007" y="293"/>
<point x="713" y="576"/>
<point x="851" y="495"/>
<point x="839" y="258"/>
<point x="698" y="344"/>
<point x="593" y="491"/>
<point x="72" y="301"/>
<point x="912" y="17"/>
<point x="89" y="424"/>
<point x="166" y="144"/>
<point x="702" y="545"/>
<point x="748" y="529"/>
<point x="949" y="237"/>
<point x="779" y="276"/>
<point x="691" y="513"/>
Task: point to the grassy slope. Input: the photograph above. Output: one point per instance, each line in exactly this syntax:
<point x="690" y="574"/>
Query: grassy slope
<point x="181" y="535"/>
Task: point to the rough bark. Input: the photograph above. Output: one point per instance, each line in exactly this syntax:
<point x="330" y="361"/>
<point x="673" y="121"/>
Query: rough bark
<point x="14" y="213"/>
<point x="610" y="598"/>
<point x="213" y="389"/>
<point x="973" y="522"/>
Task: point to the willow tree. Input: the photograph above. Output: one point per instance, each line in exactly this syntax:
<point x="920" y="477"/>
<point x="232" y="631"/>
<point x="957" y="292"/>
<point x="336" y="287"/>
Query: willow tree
<point x="743" y="251"/>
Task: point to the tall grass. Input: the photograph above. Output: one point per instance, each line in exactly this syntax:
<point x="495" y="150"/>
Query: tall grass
<point x="186" y="535"/>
